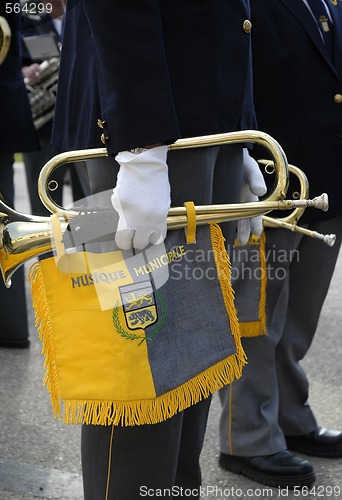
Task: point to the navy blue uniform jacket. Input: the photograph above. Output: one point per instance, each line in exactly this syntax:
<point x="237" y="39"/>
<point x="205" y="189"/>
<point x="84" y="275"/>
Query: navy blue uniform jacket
<point x="298" y="92"/>
<point x="16" y="127"/>
<point x="154" y="71"/>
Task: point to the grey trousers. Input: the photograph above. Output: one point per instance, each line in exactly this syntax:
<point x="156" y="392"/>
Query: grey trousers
<point x="164" y="455"/>
<point x="271" y="398"/>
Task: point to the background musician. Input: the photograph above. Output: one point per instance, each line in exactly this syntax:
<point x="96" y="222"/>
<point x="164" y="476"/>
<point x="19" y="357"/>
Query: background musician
<point x="266" y="412"/>
<point x="43" y="74"/>
<point x="16" y="134"/>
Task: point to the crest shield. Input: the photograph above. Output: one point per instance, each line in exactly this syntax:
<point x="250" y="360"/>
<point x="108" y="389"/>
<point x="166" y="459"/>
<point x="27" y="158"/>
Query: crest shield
<point x="139" y="305"/>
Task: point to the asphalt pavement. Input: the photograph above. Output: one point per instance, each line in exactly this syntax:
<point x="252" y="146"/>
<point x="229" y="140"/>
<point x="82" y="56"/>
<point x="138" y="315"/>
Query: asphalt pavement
<point x="40" y="457"/>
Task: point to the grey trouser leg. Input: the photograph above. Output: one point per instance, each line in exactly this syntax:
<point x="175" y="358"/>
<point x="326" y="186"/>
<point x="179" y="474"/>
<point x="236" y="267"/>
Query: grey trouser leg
<point x="270" y="399"/>
<point x="309" y="284"/>
<point x="249" y="418"/>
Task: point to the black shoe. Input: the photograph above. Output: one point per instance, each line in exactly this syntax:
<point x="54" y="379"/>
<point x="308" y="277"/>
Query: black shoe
<point x="279" y="470"/>
<point x="319" y="443"/>
<point x="15" y="343"/>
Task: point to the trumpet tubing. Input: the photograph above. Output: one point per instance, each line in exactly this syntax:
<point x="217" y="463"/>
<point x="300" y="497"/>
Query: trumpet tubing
<point x="328" y="239"/>
<point x="278" y="191"/>
<point x="290" y="222"/>
<point x="303" y="185"/>
<point x="206" y="214"/>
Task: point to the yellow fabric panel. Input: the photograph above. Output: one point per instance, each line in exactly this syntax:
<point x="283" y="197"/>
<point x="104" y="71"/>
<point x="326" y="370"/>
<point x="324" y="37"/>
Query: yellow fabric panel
<point x="72" y="345"/>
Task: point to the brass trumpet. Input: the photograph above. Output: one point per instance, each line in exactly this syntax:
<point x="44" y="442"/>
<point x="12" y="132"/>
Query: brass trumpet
<point x="23" y="237"/>
<point x="177" y="216"/>
<point x="290" y="221"/>
<point x="207" y="213"/>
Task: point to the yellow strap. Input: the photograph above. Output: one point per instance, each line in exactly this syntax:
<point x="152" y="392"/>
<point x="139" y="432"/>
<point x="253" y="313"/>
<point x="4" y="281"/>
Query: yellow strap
<point x="191" y="221"/>
<point x="67" y="263"/>
<point x="58" y="236"/>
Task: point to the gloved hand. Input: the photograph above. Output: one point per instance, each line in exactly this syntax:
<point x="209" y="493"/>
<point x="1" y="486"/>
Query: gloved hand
<point x="253" y="186"/>
<point x="141" y="198"/>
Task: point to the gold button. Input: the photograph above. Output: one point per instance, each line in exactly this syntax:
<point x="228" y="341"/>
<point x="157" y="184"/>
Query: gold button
<point x="100" y="123"/>
<point x="338" y="98"/>
<point x="104" y="138"/>
<point x="247" y="26"/>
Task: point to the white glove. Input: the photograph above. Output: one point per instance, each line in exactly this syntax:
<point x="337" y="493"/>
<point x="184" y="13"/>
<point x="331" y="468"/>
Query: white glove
<point x="253" y="186"/>
<point x="141" y="198"/>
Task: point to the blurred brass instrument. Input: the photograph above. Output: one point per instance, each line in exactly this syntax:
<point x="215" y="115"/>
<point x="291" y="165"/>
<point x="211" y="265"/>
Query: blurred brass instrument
<point x="23" y="237"/>
<point x="290" y="221"/>
<point x="5" y="39"/>
<point x="42" y="95"/>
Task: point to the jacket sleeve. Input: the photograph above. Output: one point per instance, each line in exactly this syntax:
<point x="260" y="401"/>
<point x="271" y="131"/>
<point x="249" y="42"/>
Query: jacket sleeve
<point x="133" y="79"/>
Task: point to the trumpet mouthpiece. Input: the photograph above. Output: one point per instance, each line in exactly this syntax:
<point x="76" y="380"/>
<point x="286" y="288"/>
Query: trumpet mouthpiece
<point x="320" y="202"/>
<point x="329" y="239"/>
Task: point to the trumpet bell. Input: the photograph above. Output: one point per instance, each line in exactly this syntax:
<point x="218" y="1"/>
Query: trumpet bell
<point x="22" y="238"/>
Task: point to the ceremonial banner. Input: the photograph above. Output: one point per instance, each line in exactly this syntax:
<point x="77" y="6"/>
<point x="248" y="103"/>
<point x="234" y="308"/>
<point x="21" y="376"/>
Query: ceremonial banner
<point x="133" y="338"/>
<point x="249" y="280"/>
